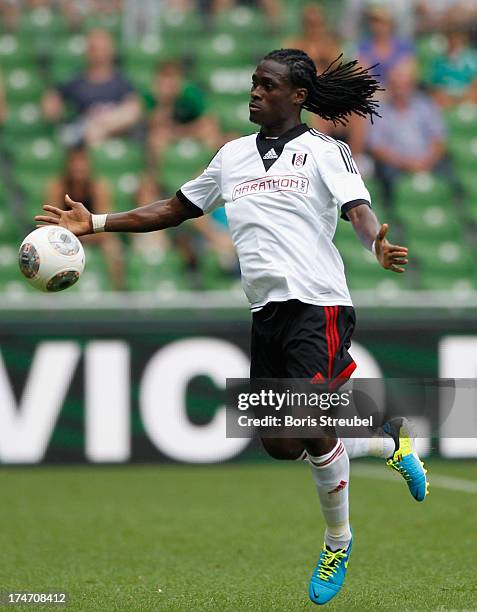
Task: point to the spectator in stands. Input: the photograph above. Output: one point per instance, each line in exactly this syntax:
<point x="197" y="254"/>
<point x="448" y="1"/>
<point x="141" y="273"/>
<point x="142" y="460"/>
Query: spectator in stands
<point x="179" y="107"/>
<point x="104" y="101"/>
<point x="316" y="38"/>
<point x="354" y="14"/>
<point x="78" y="182"/>
<point x="383" y="46"/>
<point x="453" y="75"/>
<point x="410" y="137"/>
<point x="438" y="15"/>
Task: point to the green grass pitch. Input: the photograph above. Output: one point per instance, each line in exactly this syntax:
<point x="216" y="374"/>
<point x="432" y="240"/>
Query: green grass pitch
<point x="231" y="538"/>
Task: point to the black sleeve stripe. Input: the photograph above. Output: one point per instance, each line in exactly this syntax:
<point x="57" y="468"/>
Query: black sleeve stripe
<point x="344" y="150"/>
<point x="349" y="154"/>
<point x="353" y="204"/>
<point x="197" y="212"/>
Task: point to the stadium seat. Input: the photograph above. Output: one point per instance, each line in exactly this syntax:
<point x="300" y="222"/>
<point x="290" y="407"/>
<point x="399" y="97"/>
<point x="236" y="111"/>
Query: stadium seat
<point x="463" y="148"/>
<point x="95" y="277"/>
<point x="14" y="54"/>
<point x="125" y="187"/>
<point x="462" y="120"/>
<point x="23" y="121"/>
<point x="420" y="190"/>
<point x="234" y="116"/>
<point x="68" y="60"/>
<point x="429" y="47"/>
<point x="446" y="258"/>
<point x="39" y="155"/>
<point x="23" y="85"/>
<point x="431" y="222"/>
<point x="213" y="276"/>
<point x="231" y="81"/>
<point x="156" y="271"/>
<point x="117" y="156"/>
<point x="32" y="186"/>
<point x="224" y="50"/>
<point x="9" y="271"/>
<point x="241" y="20"/>
<point x="41" y="21"/>
<point x="104" y="21"/>
<point x="451" y="283"/>
<point x="10" y="230"/>
<point x="182" y="161"/>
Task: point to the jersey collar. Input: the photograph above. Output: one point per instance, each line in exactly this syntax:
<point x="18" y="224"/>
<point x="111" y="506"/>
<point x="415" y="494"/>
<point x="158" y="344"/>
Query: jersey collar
<point x="270" y="149"/>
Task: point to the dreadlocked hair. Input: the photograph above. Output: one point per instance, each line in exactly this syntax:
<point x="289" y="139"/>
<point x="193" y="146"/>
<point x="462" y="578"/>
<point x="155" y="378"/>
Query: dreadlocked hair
<point x="338" y="92"/>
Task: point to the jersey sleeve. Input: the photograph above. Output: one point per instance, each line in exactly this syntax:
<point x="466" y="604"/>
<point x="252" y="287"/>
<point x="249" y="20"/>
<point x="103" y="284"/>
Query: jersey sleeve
<point x="342" y="178"/>
<point x="205" y="191"/>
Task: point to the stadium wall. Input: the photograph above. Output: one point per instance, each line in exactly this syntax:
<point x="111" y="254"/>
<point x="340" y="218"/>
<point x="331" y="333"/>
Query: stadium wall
<point x="135" y="385"/>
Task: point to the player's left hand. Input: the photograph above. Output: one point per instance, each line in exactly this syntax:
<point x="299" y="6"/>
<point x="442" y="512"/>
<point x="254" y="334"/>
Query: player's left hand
<point x="390" y="256"/>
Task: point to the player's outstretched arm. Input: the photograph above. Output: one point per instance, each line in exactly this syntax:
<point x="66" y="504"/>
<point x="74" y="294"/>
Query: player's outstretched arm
<point x="156" y="216"/>
<point x="373" y="235"/>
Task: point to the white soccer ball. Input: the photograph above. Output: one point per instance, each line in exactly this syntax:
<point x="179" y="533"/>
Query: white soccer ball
<point x="51" y="258"/>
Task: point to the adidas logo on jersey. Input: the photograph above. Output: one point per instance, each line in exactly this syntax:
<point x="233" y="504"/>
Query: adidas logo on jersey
<point x="270" y="155"/>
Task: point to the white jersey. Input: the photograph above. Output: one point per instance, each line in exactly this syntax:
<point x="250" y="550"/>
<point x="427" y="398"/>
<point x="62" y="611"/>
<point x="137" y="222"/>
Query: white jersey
<point x="282" y="200"/>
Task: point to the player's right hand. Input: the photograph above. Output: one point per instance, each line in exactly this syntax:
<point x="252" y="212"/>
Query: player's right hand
<point x="390" y="256"/>
<point x="76" y="217"/>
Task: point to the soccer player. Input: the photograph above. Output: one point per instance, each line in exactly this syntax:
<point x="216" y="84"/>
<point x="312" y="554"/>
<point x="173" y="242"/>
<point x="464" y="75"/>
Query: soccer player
<point x="283" y="189"/>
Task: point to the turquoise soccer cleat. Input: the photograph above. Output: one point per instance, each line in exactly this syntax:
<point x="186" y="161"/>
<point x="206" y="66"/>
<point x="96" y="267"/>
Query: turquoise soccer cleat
<point x="329" y="575"/>
<point x="405" y="459"/>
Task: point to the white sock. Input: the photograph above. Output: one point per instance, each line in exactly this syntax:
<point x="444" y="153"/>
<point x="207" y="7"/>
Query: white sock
<point x="331" y="476"/>
<point x="377" y="446"/>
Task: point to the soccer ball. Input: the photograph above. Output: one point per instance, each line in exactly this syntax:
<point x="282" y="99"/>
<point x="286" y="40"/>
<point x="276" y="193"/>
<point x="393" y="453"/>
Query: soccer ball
<point x="51" y="258"/>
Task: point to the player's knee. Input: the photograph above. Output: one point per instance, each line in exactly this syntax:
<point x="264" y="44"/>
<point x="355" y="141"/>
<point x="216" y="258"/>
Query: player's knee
<point x="288" y="450"/>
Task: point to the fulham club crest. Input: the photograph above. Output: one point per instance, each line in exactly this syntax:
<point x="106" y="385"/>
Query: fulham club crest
<point x="299" y="159"/>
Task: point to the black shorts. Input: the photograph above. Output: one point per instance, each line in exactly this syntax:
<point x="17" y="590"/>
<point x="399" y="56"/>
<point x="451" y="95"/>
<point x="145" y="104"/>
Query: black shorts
<point x="296" y="340"/>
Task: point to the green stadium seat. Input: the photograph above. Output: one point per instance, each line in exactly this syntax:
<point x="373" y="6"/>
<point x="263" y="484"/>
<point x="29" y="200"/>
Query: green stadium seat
<point x="117" y="156"/>
<point x="231" y="81"/>
<point x="69" y="58"/>
<point x="185" y="158"/>
<point x="178" y="23"/>
<point x="429" y="47"/>
<point x="464" y="150"/>
<point x="448" y="283"/>
<point x="10" y="275"/>
<point x="224" y="50"/>
<point x="462" y="121"/>
<point x="33" y="188"/>
<point x="40" y="155"/>
<point x="23" y="121"/>
<point x="156" y="271"/>
<point x="104" y="21"/>
<point x="446" y="258"/>
<point x="14" y="54"/>
<point x="149" y="51"/>
<point x="241" y="20"/>
<point x="95" y="277"/>
<point x="41" y="21"/>
<point x="431" y="222"/>
<point x="140" y="75"/>
<point x="421" y="190"/>
<point x="213" y="276"/>
<point x="125" y="187"/>
<point x="10" y="228"/>
<point x="22" y="85"/>
<point x="234" y="116"/>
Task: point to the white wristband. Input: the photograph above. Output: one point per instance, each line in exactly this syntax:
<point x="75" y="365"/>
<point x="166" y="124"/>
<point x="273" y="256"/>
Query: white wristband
<point x="98" y="221"/>
<point x="373" y="248"/>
